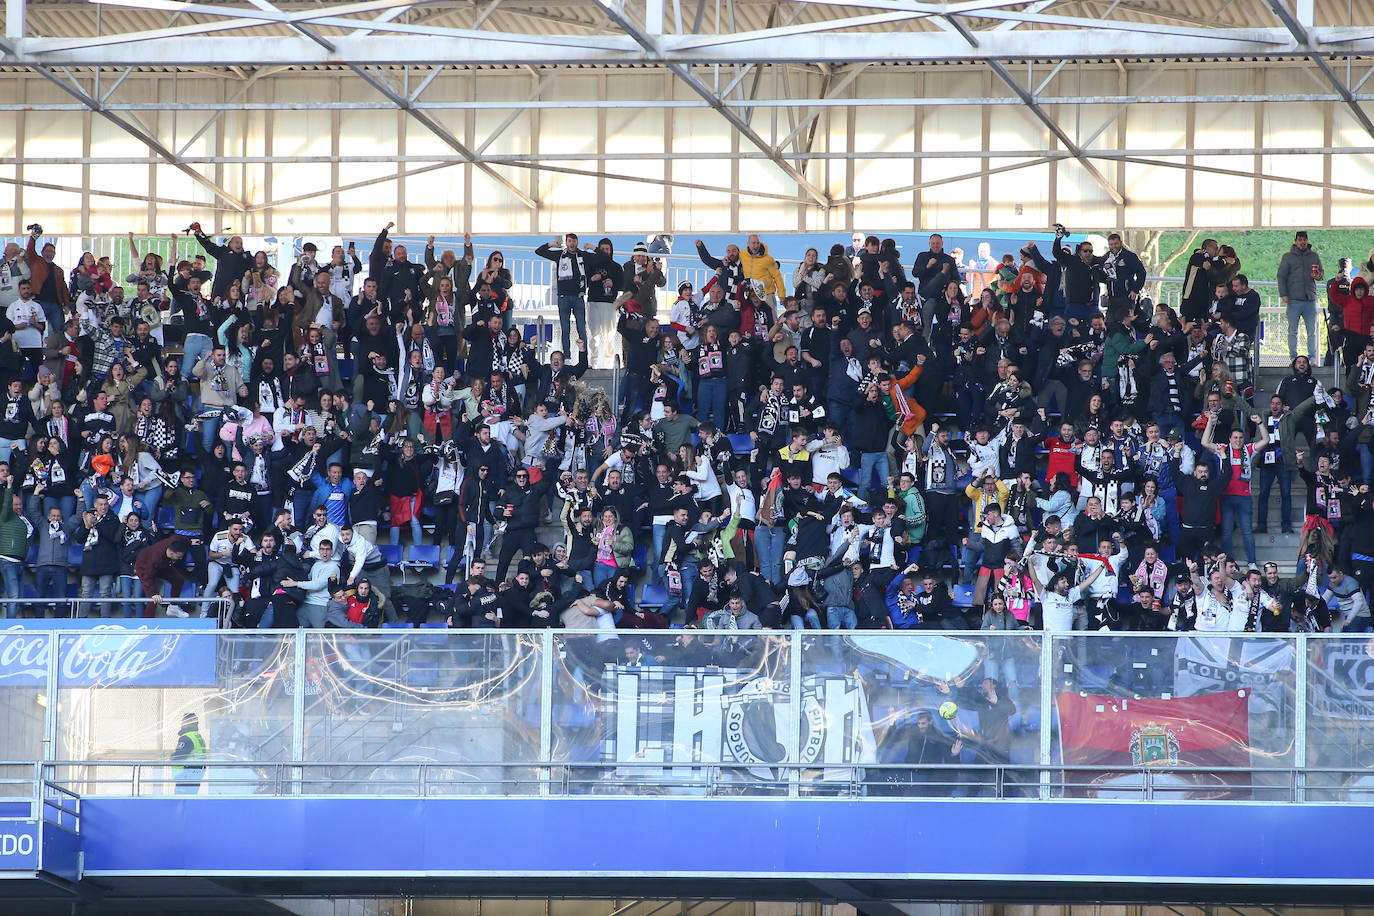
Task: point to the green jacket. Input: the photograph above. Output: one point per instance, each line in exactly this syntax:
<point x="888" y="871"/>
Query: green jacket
<point x="14" y="534"/>
<point x="1118" y="344"/>
<point x="189" y="516"/>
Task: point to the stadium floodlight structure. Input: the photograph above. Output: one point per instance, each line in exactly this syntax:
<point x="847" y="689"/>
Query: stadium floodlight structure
<point x="775" y="72"/>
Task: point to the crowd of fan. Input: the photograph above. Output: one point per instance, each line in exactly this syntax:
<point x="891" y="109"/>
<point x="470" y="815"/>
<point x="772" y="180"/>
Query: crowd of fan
<point x="861" y="445"/>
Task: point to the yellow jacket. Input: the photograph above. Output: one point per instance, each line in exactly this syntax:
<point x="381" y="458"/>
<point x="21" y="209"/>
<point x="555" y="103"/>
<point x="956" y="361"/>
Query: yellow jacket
<point x="764" y="268"/>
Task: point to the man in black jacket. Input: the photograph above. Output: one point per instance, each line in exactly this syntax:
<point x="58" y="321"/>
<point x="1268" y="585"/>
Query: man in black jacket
<point x="96" y="531"/>
<point x="1201" y="493"/>
<point x="933" y="268"/>
<point x="570" y="281"/>
<point x="1122" y="270"/>
<point x="520" y="506"/>
<point x="231" y="261"/>
<point x="641" y="348"/>
<point x="1082" y="280"/>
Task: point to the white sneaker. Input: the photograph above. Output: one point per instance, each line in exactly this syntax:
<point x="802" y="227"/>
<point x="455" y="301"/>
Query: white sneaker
<point x="174" y="610"/>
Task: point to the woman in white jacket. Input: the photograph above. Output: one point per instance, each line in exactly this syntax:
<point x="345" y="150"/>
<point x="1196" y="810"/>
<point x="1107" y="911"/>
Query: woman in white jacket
<point x="698" y="469"/>
<point x="807" y="280"/>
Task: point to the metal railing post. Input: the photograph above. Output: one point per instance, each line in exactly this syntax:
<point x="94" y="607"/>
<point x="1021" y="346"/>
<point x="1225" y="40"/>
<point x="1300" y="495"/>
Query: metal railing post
<point x="298" y="708"/>
<point x="50" y="714"/>
<point x="1300" y="720"/>
<point x="1046" y="712"/>
<point x="546" y="710"/>
<point x="794" y="752"/>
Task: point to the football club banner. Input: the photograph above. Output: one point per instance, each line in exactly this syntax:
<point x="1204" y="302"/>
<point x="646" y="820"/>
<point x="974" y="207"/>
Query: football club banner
<point x="694" y="720"/>
<point x="1342" y="673"/>
<point x="1211" y="730"/>
<point x="1207" y="664"/>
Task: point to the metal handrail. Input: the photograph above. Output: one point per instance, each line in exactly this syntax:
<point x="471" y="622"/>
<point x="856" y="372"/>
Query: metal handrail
<point x="222" y="604"/>
<point x="1070" y="782"/>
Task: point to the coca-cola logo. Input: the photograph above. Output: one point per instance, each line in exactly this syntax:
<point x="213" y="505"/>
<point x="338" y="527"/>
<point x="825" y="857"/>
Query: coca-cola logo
<point x="109" y="654"/>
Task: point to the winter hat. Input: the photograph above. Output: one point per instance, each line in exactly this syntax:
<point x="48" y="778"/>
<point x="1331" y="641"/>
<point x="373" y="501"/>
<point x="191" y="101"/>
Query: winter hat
<point x="641" y="248"/>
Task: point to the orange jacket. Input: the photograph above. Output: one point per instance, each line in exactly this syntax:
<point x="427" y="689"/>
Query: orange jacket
<point x="39" y="270"/>
<point x="911" y="414"/>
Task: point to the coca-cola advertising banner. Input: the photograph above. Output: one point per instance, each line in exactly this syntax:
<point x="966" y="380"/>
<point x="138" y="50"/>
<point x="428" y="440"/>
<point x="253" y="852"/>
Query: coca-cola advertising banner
<point x="106" y="653"/>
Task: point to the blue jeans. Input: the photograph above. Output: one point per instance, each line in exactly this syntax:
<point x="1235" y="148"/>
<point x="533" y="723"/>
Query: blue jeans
<point x="1080" y="310"/>
<point x="195" y="346"/>
<point x="771" y="543"/>
<point x="1306" y="310"/>
<point x="1268" y="473"/>
<point x="66" y="503"/>
<point x="209" y="434"/>
<point x="811" y="622"/>
<point x="1169" y="421"/>
<point x="95" y="587"/>
<point x="129" y="587"/>
<point x="869" y="463"/>
<point x="601" y="572"/>
<point x="9" y="586"/>
<point x="9" y="445"/>
<point x="152" y="498"/>
<point x="841" y="618"/>
<point x="711" y="400"/>
<point x="1236" y="512"/>
<point x="652" y="561"/>
<point x="51" y="582"/>
<point x="570" y="307"/>
<point x="52" y="315"/>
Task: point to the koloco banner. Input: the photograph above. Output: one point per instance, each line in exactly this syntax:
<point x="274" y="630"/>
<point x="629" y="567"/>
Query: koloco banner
<point x="692" y="718"/>
<point x="1342" y="670"/>
<point x="105" y="653"/>
<point x="1207" y="664"/>
<point x="1211" y="730"/>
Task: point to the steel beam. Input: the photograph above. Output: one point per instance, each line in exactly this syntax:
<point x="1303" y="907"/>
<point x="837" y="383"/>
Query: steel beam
<point x="443" y="133"/>
<point x="139" y="133"/>
<point x="1300" y="27"/>
<point x="14" y="18"/>
<point x="185" y="46"/>
<point x="536" y="160"/>
<point x="827" y="101"/>
<point x="684" y="73"/>
<point x="1044" y="118"/>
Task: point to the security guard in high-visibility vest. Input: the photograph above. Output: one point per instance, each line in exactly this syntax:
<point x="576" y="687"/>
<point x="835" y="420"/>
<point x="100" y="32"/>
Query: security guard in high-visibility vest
<point x="190" y="746"/>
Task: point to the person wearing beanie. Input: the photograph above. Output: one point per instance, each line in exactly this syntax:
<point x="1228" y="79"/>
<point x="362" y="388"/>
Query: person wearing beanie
<point x="643" y="277"/>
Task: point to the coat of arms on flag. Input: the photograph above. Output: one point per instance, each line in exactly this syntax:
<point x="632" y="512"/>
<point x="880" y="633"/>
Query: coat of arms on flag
<point x="1154" y="745"/>
<point x="1192" y="745"/>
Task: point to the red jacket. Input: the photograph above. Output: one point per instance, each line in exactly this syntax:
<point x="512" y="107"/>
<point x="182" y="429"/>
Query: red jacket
<point x="1062" y="457"/>
<point x="1357" y="311"/>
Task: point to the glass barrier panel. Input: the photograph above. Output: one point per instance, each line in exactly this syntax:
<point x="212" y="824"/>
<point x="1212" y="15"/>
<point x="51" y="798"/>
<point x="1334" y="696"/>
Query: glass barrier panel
<point x="1184" y="717"/>
<point x="162" y="696"/>
<point x="1340" y="713"/>
<point x="920" y="713"/>
<point x="681" y="712"/>
<point x="470" y="700"/>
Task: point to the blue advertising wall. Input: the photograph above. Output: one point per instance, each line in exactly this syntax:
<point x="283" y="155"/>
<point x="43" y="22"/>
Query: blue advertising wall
<point x="108" y="653"/>
<point x="1151" y="843"/>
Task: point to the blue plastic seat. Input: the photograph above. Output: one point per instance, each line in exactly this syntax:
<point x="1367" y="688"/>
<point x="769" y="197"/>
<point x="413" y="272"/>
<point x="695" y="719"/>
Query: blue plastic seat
<point x="421" y="556"/>
<point x="963" y="596"/>
<point x="74" y="552"/>
<point x="740" y="443"/>
<point x="393" y="553"/>
<point x="654" y="596"/>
